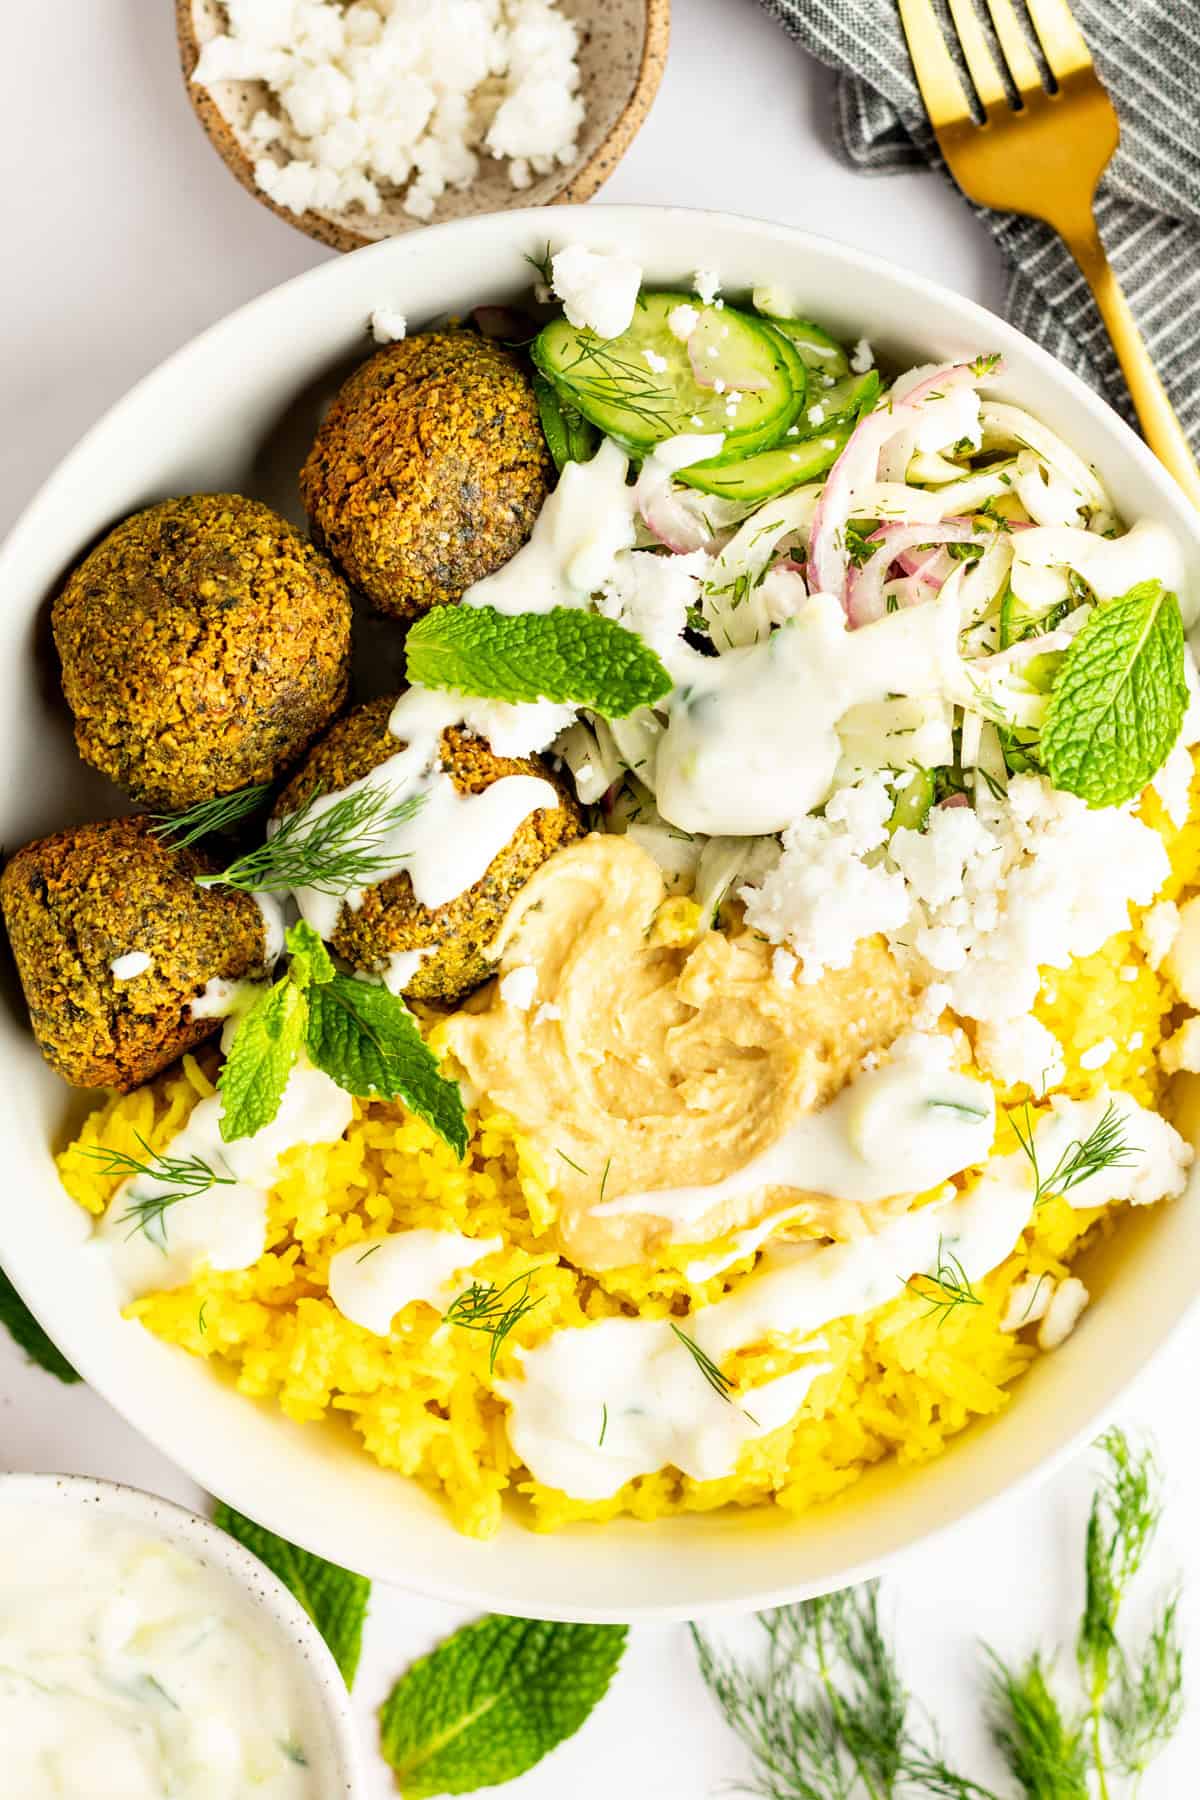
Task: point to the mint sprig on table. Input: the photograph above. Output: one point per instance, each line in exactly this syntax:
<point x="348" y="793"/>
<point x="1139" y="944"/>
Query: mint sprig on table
<point x="334" y="1598"/>
<point x="361" y="1036"/>
<point x="28" y="1335"/>
<point x="492" y="1700"/>
<point x="1119" y="698"/>
<point x="572" y="657"/>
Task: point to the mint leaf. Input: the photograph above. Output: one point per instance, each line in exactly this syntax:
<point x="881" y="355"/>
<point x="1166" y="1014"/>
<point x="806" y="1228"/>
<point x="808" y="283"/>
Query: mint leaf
<point x="334" y="1599"/>
<point x="256" y="1070"/>
<point x="367" y="1041"/>
<point x="28" y="1335"/>
<point x="573" y="657"/>
<point x="492" y="1700"/>
<point x="311" y="961"/>
<point x="1119" y="700"/>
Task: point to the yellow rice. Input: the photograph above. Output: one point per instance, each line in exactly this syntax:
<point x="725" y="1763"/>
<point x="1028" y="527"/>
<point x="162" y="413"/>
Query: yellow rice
<point x="423" y="1399"/>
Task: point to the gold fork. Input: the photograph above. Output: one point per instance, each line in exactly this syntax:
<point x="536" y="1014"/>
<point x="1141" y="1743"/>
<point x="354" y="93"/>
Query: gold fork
<point x="1044" y="159"/>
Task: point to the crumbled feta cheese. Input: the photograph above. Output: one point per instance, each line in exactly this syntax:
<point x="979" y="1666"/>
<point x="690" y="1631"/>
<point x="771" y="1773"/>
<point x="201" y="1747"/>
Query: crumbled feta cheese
<point x="1128" y="972"/>
<point x="1157" y="932"/>
<point x="1027" y="1302"/>
<point x="932" y="1004"/>
<point x="395" y="94"/>
<point x="1020" y="1051"/>
<point x="598" y="289"/>
<point x="862" y="357"/>
<point x="654" y="361"/>
<point x="1173" y="782"/>
<point x="1098" y="1054"/>
<point x="718" y="386"/>
<point x="784" y="966"/>
<point x="707" y="284"/>
<point x="651" y="594"/>
<point x="519" y="987"/>
<point x="387" y="325"/>
<point x="1157" y="1158"/>
<point x="1181" y="961"/>
<point x="1136" y="1040"/>
<point x="1182" y="1049"/>
<point x="131" y="965"/>
<point x="682" y="320"/>
<point x="1063" y="1313"/>
<point x="816" y="415"/>
<point x="547" y="1013"/>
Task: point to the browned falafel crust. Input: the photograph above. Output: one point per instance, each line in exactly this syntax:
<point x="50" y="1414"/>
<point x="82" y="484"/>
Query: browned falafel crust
<point x="204" y="644"/>
<point x="390" y="919"/>
<point x="429" y="470"/>
<point x="75" y="902"/>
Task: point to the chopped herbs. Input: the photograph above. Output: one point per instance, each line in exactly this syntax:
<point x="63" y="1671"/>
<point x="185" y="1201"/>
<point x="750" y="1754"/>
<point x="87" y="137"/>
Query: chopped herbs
<point x="329" y="845"/>
<point x="210" y="816"/>
<point x="719" y="1383"/>
<point x="1105" y="1147"/>
<point x="485" y="1307"/>
<point x="182" y="1178"/>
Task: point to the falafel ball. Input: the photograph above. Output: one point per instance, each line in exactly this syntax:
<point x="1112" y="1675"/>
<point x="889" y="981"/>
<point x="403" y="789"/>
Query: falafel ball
<point x="113" y="941"/>
<point x="429" y="470"/>
<point x="204" y="644"/>
<point x="391" y="921"/>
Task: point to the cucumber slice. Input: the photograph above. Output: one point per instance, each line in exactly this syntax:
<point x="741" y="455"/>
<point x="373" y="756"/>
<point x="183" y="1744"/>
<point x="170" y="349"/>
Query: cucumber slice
<point x="847" y="399"/>
<point x="768" y="472"/>
<point x="569" y="436"/>
<point x="822" y="353"/>
<point x="913" y="802"/>
<point x="639" y="388"/>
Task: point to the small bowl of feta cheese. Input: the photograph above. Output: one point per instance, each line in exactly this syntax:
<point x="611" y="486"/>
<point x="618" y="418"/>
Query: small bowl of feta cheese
<point x="145" y="1652"/>
<point x="358" y="123"/>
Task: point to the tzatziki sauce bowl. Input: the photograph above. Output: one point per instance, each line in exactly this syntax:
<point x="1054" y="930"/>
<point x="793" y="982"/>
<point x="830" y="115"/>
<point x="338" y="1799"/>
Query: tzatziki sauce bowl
<point x="146" y="1652"/>
<point x="234" y="411"/>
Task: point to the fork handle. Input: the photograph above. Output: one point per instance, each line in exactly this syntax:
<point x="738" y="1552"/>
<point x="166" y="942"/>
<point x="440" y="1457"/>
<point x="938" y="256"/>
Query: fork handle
<point x="1161" y="426"/>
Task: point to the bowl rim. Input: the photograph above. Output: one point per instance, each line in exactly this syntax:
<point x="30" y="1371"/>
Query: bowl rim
<point x="207" y="1543"/>
<point x="599" y="224"/>
<point x="578" y="182"/>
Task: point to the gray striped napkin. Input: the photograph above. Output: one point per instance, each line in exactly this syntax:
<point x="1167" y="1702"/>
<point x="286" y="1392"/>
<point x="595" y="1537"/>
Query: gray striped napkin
<point x="1147" y="52"/>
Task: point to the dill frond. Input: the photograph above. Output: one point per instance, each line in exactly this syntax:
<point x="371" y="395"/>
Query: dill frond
<point x="1105" y="1147"/>
<point x="196" y="822"/>
<point x="331" y="848"/>
<point x="948" y="1288"/>
<point x="718" y="1382"/>
<point x="182" y="1178"/>
<point x="484" y="1307"/>
<point x="1045" y="1750"/>
<point x="1145" y="1709"/>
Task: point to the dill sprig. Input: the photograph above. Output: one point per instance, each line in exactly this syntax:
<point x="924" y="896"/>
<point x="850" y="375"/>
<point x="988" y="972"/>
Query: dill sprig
<point x="1105" y="1147"/>
<point x="1045" y="1750"/>
<point x="183" y="1178"/>
<point x="330" y="849"/>
<point x="611" y="380"/>
<point x="484" y="1307"/>
<point x="946" y="1289"/>
<point x="718" y="1382"/>
<point x="1145" y="1709"/>
<point x="543" y="265"/>
<point x="210" y="816"/>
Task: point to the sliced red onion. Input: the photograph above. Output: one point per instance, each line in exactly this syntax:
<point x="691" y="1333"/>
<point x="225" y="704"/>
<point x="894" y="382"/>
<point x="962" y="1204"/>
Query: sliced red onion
<point x="865" y="586"/>
<point x="713" y="351"/>
<point x="952" y="801"/>
<point x="676" y="515"/>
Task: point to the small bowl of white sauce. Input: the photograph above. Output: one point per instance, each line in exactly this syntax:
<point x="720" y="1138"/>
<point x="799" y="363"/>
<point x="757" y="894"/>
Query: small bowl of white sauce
<point x="145" y="1653"/>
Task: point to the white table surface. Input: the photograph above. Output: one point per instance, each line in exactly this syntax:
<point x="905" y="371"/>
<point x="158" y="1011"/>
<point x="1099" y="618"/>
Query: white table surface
<point x="123" y="236"/>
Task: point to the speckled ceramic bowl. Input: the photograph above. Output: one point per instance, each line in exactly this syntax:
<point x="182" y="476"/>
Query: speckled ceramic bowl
<point x="623" y="51"/>
<point x="333" y="1745"/>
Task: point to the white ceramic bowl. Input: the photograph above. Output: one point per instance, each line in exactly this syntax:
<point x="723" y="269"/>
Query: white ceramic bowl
<point x="331" y="1741"/>
<point x="236" y="410"/>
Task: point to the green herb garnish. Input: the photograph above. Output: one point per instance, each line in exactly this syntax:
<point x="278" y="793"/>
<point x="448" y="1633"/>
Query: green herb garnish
<point x="331" y="847"/>
<point x="210" y="816"/>
<point x="946" y="1289"/>
<point x="718" y="1382"/>
<point x="1119" y="698"/>
<point x="334" y="1598"/>
<point x="28" y="1335"/>
<point x="183" y="1178"/>
<point x="492" y="1700"/>
<point x="485" y="1307"/>
<point x="567" y="656"/>
<point x="361" y="1035"/>
<point x="1105" y="1147"/>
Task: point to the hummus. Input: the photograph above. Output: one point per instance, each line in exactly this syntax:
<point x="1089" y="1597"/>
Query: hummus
<point x="636" y="1065"/>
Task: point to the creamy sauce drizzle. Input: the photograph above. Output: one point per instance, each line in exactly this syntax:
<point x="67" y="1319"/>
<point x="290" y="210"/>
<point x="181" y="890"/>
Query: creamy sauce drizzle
<point x="752" y="740"/>
<point x="131" y="1671"/>
<point x="894" y="1130"/>
<point x="634" y="1383"/>
<point x="447" y="845"/>
<point x="371" y="1282"/>
<point x="224" y="1226"/>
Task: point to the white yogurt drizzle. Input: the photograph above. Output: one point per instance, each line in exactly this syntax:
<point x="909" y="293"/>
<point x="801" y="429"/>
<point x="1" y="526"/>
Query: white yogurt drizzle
<point x="447" y="845"/>
<point x="900" y="1129"/>
<point x="371" y="1282"/>
<point x="132" y="1669"/>
<point x="633" y="1384"/>
<point x="224" y="1226"/>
